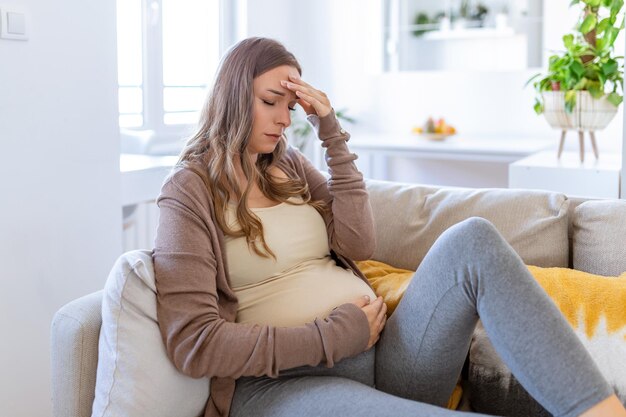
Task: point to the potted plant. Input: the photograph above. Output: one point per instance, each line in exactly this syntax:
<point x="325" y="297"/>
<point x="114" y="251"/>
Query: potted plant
<point x="584" y="83"/>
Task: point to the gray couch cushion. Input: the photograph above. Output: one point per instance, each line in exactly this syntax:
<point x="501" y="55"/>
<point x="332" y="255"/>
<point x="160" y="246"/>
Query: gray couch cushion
<point x="599" y="237"/>
<point x="409" y="218"/>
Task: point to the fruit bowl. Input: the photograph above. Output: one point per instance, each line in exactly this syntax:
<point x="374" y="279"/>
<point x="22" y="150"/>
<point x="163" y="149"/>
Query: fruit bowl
<point x="434" y="130"/>
<point x="435" y="136"/>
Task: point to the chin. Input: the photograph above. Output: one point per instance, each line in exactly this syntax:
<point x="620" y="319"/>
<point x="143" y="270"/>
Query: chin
<point x="270" y="150"/>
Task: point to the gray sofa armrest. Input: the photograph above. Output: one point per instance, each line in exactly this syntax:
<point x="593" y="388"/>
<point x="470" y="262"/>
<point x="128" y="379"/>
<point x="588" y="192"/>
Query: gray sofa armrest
<point x="74" y="336"/>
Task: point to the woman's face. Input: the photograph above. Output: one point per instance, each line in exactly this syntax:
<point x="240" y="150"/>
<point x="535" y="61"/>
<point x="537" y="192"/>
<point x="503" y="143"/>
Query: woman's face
<point x="272" y="107"/>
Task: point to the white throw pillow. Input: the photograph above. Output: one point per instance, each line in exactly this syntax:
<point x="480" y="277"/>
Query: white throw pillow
<point x="135" y="377"/>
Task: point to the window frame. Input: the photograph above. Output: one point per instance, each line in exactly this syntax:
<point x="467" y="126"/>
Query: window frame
<point x="232" y="22"/>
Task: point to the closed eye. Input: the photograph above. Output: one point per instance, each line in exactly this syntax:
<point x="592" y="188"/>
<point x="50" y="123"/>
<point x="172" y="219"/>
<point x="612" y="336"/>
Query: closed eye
<point x="271" y="104"/>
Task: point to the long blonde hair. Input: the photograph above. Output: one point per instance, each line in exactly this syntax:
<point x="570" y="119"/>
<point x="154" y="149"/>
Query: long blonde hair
<point x="224" y="130"/>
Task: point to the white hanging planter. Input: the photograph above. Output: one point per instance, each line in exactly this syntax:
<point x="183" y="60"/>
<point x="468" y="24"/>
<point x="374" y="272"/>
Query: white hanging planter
<point x="589" y="114"/>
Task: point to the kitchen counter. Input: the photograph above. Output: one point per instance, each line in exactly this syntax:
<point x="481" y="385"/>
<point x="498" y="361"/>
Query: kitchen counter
<point x="142" y="176"/>
<point x="477" y="161"/>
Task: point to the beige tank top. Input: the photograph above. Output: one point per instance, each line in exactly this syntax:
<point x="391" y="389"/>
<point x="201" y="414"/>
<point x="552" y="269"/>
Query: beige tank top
<point x="302" y="283"/>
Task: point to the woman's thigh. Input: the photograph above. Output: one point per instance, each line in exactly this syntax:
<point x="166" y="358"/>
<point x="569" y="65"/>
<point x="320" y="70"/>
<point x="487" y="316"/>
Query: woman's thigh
<point x="323" y="396"/>
<point x="359" y="368"/>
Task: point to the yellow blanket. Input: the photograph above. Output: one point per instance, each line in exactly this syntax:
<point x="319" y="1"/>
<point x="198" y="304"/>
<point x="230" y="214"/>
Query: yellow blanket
<point x="586" y="300"/>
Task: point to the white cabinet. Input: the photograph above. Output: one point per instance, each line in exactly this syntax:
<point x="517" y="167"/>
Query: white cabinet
<point x="462" y="161"/>
<point x="591" y="179"/>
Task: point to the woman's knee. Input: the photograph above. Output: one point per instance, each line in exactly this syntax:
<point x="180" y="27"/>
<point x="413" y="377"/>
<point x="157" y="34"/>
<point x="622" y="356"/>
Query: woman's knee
<point x="473" y="229"/>
<point x="477" y="224"/>
<point x="470" y="240"/>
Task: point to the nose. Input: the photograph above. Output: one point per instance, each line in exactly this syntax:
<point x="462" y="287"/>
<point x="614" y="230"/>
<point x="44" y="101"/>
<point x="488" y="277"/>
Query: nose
<point x="284" y="118"/>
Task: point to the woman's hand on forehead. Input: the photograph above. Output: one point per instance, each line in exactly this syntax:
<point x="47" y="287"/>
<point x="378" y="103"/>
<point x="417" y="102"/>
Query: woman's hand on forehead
<point x="312" y="100"/>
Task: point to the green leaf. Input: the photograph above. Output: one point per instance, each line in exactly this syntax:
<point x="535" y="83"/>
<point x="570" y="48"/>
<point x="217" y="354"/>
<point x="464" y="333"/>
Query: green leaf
<point x="588" y="24"/>
<point x="568" y="41"/>
<point x="600" y="44"/>
<point x="614" y="99"/>
<point x="581" y="84"/>
<point x="595" y="92"/>
<point x="609" y="68"/>
<point x="538" y="107"/>
<point x="545" y="84"/>
<point x="601" y="27"/>
<point x="570" y="101"/>
<point x="592" y="3"/>
<point x="613" y="35"/>
<point x="616" y="6"/>
<point x="573" y="2"/>
<point x="577" y="68"/>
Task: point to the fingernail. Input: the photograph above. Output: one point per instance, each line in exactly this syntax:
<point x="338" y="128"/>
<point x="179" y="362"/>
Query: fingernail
<point x="295" y="77"/>
<point x="367" y="297"/>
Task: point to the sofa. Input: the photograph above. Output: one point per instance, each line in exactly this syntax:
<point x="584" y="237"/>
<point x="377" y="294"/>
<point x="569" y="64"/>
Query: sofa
<point x="546" y="229"/>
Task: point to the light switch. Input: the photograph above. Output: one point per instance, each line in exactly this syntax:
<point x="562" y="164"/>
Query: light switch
<point x="13" y="24"/>
<point x="16" y="23"/>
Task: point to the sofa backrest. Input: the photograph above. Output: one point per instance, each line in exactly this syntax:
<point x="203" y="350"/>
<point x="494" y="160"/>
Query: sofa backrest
<point x="410" y="217"/>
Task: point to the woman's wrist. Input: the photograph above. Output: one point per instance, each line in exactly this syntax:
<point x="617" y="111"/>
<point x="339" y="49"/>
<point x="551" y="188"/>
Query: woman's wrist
<point x="328" y="126"/>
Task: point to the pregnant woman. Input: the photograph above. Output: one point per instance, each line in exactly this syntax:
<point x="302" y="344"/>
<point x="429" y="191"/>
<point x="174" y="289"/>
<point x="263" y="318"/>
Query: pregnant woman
<point x="258" y="290"/>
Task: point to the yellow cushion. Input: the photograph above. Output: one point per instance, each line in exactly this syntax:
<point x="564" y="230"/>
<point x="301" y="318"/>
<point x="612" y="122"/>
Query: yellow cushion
<point x="387" y="281"/>
<point x="589" y="302"/>
<point x="586" y="300"/>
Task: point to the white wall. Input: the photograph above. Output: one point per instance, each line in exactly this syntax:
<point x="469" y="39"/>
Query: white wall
<point x="300" y="26"/>
<point x="478" y="103"/>
<point x="60" y="217"/>
<point x="340" y="48"/>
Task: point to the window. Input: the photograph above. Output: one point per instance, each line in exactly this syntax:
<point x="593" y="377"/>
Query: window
<point x="168" y="52"/>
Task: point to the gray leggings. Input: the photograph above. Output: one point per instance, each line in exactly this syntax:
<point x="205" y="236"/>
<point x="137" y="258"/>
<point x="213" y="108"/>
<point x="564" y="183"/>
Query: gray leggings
<point x="470" y="272"/>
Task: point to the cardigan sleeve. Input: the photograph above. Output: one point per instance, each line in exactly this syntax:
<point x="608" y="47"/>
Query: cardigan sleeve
<point x="198" y="339"/>
<point x="350" y="225"/>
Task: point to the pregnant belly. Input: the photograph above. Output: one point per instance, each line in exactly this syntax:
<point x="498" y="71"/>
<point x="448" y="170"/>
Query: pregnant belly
<point x="312" y="290"/>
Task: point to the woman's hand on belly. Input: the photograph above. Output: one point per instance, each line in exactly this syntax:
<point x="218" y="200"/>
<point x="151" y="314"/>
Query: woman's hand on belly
<point x="376" y="312"/>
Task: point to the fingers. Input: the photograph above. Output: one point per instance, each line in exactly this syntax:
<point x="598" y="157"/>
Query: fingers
<point x="298" y="84"/>
<point x="373" y="342"/>
<point x="377" y="316"/>
<point x="299" y="80"/>
<point x="315" y="98"/>
<point x="362" y="301"/>
<point x="319" y="107"/>
<point x="382" y="313"/>
<point x="382" y="317"/>
<point x="376" y="305"/>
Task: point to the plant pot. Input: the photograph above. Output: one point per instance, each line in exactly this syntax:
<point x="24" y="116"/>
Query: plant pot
<point x="589" y="114"/>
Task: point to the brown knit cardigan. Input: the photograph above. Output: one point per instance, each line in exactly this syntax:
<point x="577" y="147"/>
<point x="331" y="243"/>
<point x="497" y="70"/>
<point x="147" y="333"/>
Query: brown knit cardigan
<point x="196" y="306"/>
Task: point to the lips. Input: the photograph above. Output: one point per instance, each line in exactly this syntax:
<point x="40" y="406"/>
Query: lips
<point x="275" y="138"/>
